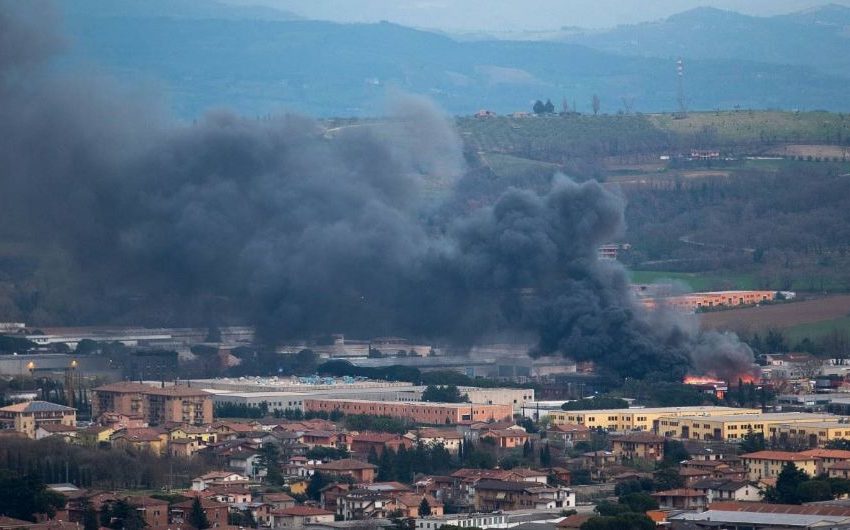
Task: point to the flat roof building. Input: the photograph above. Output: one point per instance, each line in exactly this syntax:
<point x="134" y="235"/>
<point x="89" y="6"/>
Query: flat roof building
<point x="734" y="427"/>
<point x="641" y="419"/>
<point x="420" y="412"/>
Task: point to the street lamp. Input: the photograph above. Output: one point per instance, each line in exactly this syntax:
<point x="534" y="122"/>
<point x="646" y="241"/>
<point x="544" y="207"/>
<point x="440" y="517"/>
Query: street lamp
<point x="31" y="367"/>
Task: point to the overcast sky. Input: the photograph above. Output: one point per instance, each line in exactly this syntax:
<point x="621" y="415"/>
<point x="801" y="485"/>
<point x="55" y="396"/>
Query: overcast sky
<point x="507" y="15"/>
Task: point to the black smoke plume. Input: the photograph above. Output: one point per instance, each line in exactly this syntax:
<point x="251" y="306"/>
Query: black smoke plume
<point x="302" y="230"/>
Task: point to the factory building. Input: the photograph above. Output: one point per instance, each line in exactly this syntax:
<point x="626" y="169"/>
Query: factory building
<point x="736" y="427"/>
<point x="426" y="413"/>
<point x="698" y="301"/>
<point x="638" y="419"/>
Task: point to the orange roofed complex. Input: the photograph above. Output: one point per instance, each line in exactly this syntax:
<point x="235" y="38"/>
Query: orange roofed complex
<point x="420" y="412"/>
<point x="156" y="405"/>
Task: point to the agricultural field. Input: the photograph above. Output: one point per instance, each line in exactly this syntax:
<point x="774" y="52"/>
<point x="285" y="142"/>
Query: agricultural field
<point x="747" y="126"/>
<point x="696" y="281"/>
<point x="812" y="315"/>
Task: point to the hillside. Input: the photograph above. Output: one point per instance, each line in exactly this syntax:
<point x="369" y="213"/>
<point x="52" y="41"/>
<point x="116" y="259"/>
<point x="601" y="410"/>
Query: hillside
<point x="259" y="64"/>
<point x="816" y="37"/>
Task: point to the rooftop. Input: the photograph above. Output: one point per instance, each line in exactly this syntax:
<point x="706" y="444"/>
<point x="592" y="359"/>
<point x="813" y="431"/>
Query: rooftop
<point x="778" y="455"/>
<point x="36" y="406"/>
<point x="346" y="464"/>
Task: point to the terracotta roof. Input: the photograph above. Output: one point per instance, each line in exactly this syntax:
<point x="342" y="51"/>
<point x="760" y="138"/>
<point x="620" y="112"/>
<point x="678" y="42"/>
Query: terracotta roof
<point x="146" y="501"/>
<point x="639" y="437"/>
<point x="371" y="437"/>
<point x="346" y="464"/>
<point x="522" y="472"/>
<point x="574" y="521"/>
<point x="569" y="427"/>
<point x="679" y="492"/>
<point x="841" y="466"/>
<point x="827" y="453"/>
<point x="438" y="433"/>
<point x="277" y="497"/>
<point x="778" y="455"/>
<point x="57" y="427"/>
<point x="301" y="511"/>
<point x="143" y="434"/>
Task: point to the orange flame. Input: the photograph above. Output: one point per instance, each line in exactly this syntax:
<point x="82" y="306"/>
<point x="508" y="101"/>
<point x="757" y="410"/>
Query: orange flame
<point x="708" y="380"/>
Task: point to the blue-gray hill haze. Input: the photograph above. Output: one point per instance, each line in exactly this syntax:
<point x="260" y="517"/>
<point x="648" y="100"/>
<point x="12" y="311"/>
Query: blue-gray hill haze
<point x="226" y="56"/>
<point x="304" y="234"/>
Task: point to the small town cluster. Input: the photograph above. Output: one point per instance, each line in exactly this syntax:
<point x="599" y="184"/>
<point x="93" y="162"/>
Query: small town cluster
<point x="324" y="453"/>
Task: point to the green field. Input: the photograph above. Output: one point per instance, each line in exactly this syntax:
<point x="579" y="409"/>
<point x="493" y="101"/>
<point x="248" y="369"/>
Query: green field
<point x="697" y="281"/>
<point x="816" y="330"/>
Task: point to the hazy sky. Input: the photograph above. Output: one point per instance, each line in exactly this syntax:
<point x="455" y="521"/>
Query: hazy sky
<point x="505" y="15"/>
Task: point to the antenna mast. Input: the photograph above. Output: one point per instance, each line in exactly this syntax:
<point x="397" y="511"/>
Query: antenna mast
<point x="680" y="92"/>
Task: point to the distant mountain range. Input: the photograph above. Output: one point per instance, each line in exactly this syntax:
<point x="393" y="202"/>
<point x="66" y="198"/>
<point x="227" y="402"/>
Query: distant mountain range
<point x="817" y="37"/>
<point x="259" y="60"/>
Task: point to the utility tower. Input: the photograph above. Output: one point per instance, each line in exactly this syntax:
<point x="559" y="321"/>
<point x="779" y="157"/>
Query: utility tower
<point x="682" y="113"/>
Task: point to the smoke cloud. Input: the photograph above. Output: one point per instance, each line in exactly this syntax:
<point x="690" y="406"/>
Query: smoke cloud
<point x="304" y="231"/>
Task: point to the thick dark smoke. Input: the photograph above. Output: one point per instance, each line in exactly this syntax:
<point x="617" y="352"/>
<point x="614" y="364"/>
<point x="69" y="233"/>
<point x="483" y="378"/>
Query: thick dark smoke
<point x="305" y="231"/>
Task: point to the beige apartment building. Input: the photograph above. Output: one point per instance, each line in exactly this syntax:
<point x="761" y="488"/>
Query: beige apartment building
<point x="28" y="416"/>
<point x="768" y="464"/>
<point x="638" y="419"/>
<point x="156" y="405"/>
<point x="734" y="427"/>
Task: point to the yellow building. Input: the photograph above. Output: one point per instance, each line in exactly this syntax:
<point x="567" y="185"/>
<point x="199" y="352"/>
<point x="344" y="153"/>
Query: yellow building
<point x="95" y="435"/>
<point x="768" y="464"/>
<point x="638" y="419"/>
<point x="193" y="432"/>
<point x="735" y="427"/>
<point x="28" y="416"/>
<point x="814" y="434"/>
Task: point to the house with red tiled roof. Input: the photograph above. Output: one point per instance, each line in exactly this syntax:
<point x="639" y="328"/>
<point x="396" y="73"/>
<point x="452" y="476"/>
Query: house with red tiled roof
<point x="505" y="438"/>
<point x="144" y="439"/>
<point x="681" y="499"/>
<point x="642" y="445"/>
<point x="348" y="467"/>
<point x="366" y="442"/>
<point x="56" y="430"/>
<point x="216" y="512"/>
<point x="297" y="517"/>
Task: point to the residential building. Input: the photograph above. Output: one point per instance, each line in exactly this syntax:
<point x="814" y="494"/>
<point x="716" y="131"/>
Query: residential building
<point x="681" y="499"/>
<point x="297" y="517"/>
<point x="349" y="467"/>
<point x="154" y="511"/>
<point x="216" y="512"/>
<point x="366" y="442"/>
<point x="94" y="435"/>
<point x="728" y="490"/>
<point x="495" y="495"/>
<point x="26" y="417"/>
<point x="156" y="405"/>
<point x="505" y="438"/>
<point x="768" y="464"/>
<point x="407" y="504"/>
<point x="827" y="458"/>
<point x="451" y="440"/>
<point x="463" y="520"/>
<point x="364" y="504"/>
<point x="568" y="433"/>
<point x="427" y="413"/>
<point x="46" y="430"/>
<point x="643" y="445"/>
<point x="216" y="478"/>
<point x="145" y="439"/>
